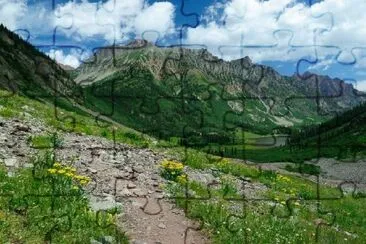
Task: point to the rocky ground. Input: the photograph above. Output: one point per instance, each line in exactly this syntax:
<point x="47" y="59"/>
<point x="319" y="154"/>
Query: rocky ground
<point x="121" y="176"/>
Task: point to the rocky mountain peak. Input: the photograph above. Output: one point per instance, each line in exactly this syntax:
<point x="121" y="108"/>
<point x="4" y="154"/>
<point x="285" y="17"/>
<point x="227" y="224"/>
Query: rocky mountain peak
<point x="138" y="43"/>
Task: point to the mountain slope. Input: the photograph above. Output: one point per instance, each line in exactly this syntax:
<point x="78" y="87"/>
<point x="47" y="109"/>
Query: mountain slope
<point x="26" y="70"/>
<point x="346" y="134"/>
<point x="342" y="137"/>
<point x="179" y="92"/>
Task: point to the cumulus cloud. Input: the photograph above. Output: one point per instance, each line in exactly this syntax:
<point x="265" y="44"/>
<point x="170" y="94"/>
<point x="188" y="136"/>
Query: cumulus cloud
<point x="71" y="59"/>
<point x="322" y="65"/>
<point x="360" y="85"/>
<point x="82" y="20"/>
<point x="11" y="12"/>
<point x="115" y="20"/>
<point x="255" y="25"/>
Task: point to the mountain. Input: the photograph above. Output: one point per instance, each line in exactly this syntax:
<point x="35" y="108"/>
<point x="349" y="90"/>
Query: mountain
<point x="26" y="70"/>
<point x="66" y="67"/>
<point x="174" y="91"/>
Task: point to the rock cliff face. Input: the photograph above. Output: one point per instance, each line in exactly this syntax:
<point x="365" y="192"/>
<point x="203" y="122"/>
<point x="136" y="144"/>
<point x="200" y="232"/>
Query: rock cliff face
<point x="252" y="79"/>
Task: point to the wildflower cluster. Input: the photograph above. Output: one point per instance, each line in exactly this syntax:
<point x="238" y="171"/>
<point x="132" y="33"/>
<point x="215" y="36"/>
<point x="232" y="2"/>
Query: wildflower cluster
<point x="283" y="178"/>
<point x="170" y="169"/>
<point x="68" y="172"/>
<point x="182" y="179"/>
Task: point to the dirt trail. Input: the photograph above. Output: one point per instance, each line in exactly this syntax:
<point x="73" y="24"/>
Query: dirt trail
<point x="160" y="222"/>
<point x="121" y="176"/>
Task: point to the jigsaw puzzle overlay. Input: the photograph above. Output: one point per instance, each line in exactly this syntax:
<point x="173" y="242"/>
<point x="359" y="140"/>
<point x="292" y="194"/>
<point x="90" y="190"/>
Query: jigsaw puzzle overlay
<point x="169" y="143"/>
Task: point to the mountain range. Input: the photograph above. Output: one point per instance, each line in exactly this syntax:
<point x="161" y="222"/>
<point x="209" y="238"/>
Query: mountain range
<point x="176" y="91"/>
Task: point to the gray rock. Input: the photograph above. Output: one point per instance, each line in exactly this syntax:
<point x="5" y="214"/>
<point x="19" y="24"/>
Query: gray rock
<point x="131" y="185"/>
<point x="22" y="127"/>
<point x="11" y="162"/>
<point x="139" y="169"/>
<point x="140" y="192"/>
<point x="97" y="203"/>
<point x="28" y="165"/>
<point x="162" y="226"/>
<point x="125" y="193"/>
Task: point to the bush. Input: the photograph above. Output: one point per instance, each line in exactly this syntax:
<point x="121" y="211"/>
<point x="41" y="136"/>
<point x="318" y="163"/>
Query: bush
<point x="171" y="170"/>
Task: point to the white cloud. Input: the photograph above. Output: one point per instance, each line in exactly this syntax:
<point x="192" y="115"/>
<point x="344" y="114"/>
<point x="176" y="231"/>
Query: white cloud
<point x="158" y="17"/>
<point x="11" y="12"/>
<point x="114" y="20"/>
<point x="322" y="65"/>
<point x="254" y="22"/>
<point x="360" y="85"/>
<point x="111" y="20"/>
<point x="71" y="59"/>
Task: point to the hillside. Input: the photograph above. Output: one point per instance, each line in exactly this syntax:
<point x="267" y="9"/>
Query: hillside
<point x="342" y="137"/>
<point x="172" y="91"/>
<point x="345" y="133"/>
<point x="26" y="70"/>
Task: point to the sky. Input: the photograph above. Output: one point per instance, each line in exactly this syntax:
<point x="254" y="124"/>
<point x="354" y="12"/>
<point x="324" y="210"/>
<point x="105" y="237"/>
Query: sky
<point x="322" y="36"/>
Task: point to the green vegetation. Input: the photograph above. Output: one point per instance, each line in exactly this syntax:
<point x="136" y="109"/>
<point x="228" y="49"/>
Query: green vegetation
<point x="286" y="212"/>
<point x="171" y="170"/>
<point x="45" y="141"/>
<point x="187" y="102"/>
<point x="304" y="168"/>
<point x="71" y="120"/>
<point x="343" y="137"/>
<point x="47" y="204"/>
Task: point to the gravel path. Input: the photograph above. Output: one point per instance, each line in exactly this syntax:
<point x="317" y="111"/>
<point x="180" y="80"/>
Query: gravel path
<point x="121" y="176"/>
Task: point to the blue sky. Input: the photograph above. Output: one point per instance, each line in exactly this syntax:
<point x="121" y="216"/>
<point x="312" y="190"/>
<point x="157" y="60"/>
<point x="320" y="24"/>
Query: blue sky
<point x="328" y="36"/>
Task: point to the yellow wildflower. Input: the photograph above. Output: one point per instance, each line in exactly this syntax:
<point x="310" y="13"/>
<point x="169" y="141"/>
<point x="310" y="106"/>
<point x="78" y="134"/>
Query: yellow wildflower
<point x="78" y="177"/>
<point x="57" y="165"/>
<point x="83" y="182"/>
<point x="182" y="179"/>
<point x="61" y="171"/>
<point x="52" y="171"/>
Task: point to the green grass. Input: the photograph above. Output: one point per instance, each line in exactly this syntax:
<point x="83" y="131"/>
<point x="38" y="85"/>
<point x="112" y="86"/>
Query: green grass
<point x="36" y="206"/>
<point x="304" y="168"/>
<point x="45" y="141"/>
<point x="71" y="120"/>
<point x="227" y="220"/>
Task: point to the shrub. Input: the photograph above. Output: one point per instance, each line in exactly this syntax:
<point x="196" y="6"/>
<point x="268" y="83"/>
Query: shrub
<point x="170" y="170"/>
